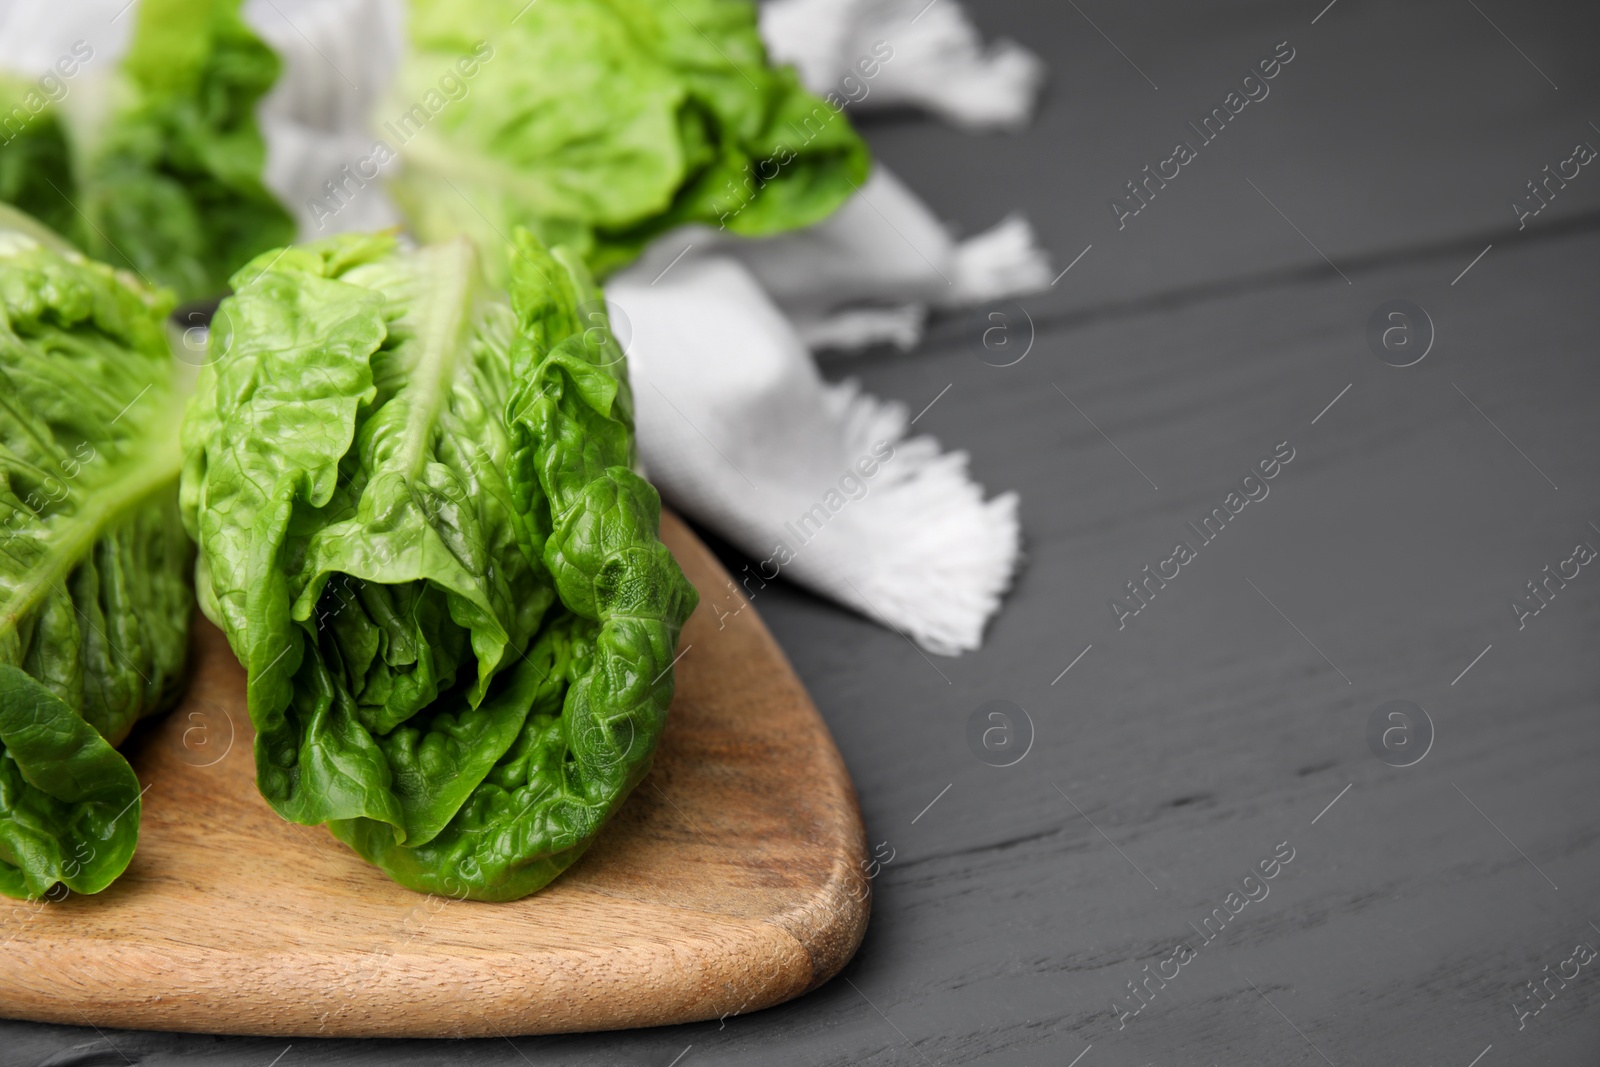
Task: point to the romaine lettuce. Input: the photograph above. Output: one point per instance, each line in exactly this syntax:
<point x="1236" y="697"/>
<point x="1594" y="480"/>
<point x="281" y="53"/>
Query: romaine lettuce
<point x="600" y="124"/>
<point x="419" y="528"/>
<point x="161" y="172"/>
<point x="94" y="594"/>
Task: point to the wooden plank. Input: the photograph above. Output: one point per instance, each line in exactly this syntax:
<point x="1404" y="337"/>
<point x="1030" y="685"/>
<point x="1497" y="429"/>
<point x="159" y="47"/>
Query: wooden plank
<point x="1394" y="127"/>
<point x="1210" y="730"/>
<point x="731" y="880"/>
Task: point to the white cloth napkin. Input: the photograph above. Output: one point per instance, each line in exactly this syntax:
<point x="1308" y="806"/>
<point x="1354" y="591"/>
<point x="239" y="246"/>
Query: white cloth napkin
<point x="937" y="60"/>
<point x="869" y="273"/>
<point x="34" y="34"/>
<point x="817" y="482"/>
<point x="339" y="59"/>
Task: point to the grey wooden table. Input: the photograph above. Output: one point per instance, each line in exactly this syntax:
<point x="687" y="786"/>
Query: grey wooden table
<point x="1239" y="724"/>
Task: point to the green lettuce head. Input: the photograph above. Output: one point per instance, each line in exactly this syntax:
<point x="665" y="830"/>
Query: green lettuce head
<point x="600" y="124"/>
<point x="156" y="167"/>
<point x="94" y="563"/>
<point x="420" y="529"/>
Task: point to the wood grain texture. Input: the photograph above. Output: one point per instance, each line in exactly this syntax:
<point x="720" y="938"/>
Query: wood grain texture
<point x="731" y="880"/>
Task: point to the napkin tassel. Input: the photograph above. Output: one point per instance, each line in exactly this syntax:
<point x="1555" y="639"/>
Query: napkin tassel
<point x="1000" y="263"/>
<point x="936" y="58"/>
<point x="936" y="557"/>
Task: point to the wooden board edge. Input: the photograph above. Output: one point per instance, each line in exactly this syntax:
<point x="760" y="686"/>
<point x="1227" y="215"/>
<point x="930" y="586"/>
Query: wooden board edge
<point x="831" y="926"/>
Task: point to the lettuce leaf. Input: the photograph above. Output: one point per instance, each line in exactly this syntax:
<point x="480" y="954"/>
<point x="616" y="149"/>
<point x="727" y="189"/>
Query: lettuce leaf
<point x="94" y="595"/>
<point x="161" y="174"/>
<point x="35" y="161"/>
<point x="419" y="529"/>
<point x="600" y="124"/>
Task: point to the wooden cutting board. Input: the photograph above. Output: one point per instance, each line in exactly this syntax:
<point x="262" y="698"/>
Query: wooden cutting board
<point x="733" y="878"/>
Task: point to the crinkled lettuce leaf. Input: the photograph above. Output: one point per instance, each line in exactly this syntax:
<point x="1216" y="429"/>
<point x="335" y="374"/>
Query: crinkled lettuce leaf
<point x="94" y="588"/>
<point x="69" y="799"/>
<point x="161" y="173"/>
<point x="600" y="124"/>
<point x="420" y="530"/>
